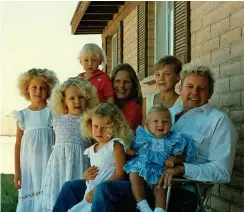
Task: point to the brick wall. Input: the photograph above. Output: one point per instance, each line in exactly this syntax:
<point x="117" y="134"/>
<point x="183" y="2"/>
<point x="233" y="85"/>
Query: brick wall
<point x="217" y="40"/>
<point x="130" y="39"/>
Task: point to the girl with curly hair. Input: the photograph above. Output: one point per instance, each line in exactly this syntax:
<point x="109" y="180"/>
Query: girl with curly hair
<point x="108" y="127"/>
<point x="66" y="162"/>
<point x="34" y="137"/>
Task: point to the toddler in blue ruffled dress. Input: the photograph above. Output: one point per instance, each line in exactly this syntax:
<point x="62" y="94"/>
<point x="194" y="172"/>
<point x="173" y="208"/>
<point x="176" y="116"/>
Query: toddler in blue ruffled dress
<point x="157" y="147"/>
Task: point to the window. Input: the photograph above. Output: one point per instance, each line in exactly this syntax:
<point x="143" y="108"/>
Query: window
<point x="163" y="29"/>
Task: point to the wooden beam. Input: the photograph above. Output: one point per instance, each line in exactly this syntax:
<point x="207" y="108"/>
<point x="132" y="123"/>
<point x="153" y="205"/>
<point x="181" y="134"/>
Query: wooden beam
<point x="123" y="13"/>
<point x="93" y="23"/>
<point x="79" y="13"/>
<point x="106" y="17"/>
<point x="102" y="10"/>
<point x="107" y="3"/>
<point x="88" y="33"/>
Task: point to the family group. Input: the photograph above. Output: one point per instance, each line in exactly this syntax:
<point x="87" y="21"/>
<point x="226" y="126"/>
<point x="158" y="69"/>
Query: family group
<point x="92" y="143"/>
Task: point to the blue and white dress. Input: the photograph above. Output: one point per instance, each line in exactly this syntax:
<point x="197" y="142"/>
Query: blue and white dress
<point x="67" y="161"/>
<point x="36" y="147"/>
<point x="153" y="152"/>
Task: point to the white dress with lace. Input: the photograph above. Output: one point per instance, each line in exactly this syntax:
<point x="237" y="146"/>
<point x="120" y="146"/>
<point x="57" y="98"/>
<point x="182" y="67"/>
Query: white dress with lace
<point x="104" y="160"/>
<point x="67" y="161"/>
<point x="36" y="147"/>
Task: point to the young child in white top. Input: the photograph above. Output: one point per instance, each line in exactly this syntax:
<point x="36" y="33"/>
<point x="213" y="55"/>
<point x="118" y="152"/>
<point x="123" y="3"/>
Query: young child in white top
<point x="34" y="137"/>
<point x="112" y="134"/>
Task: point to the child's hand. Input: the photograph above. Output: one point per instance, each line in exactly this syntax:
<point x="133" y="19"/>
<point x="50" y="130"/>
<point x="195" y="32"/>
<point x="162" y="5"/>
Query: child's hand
<point x="131" y="152"/>
<point x="89" y="196"/>
<point x="17" y="181"/>
<point x="90" y="173"/>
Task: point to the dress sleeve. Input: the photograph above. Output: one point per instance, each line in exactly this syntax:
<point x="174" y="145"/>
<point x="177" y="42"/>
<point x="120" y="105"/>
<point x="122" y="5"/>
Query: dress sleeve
<point x="108" y="86"/>
<point x="182" y="144"/>
<point x="87" y="151"/>
<point x="140" y="140"/>
<point x="111" y="143"/>
<point x="190" y="151"/>
<point x="133" y="114"/>
<point x="19" y="117"/>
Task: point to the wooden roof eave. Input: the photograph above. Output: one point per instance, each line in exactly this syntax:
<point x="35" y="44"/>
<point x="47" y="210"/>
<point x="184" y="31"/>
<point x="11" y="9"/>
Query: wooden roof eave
<point x="79" y="13"/>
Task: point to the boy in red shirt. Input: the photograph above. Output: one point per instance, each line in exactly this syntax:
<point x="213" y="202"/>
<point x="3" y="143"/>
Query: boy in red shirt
<point x="91" y="56"/>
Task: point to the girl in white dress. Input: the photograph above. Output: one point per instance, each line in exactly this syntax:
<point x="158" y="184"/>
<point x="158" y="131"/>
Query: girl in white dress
<point x="107" y="126"/>
<point x="34" y="137"/>
<point x="67" y="162"/>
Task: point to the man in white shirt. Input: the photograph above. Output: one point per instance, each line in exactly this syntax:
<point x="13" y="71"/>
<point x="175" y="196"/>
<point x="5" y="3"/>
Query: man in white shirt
<point x="210" y="129"/>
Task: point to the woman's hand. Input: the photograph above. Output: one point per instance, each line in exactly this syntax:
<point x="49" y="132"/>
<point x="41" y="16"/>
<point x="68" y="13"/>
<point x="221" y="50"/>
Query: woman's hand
<point x="168" y="174"/>
<point x="17" y="181"/>
<point x="91" y="173"/>
<point x="89" y="196"/>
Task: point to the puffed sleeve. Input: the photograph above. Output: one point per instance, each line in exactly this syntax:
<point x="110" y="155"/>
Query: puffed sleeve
<point x="87" y="151"/>
<point x="111" y="143"/>
<point x="182" y="144"/>
<point x="19" y="117"/>
<point x="140" y="139"/>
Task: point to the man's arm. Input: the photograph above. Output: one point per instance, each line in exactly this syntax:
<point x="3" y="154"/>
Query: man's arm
<point x="221" y="155"/>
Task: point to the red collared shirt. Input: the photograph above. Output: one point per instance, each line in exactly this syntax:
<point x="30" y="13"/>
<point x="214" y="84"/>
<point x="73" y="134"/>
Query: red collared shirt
<point x="102" y="82"/>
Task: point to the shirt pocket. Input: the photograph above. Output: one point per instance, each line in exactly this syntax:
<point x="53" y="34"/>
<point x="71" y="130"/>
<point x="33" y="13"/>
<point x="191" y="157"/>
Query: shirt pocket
<point x="197" y="138"/>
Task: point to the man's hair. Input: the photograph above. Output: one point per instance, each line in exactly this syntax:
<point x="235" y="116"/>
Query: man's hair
<point x="199" y="70"/>
<point x="168" y="60"/>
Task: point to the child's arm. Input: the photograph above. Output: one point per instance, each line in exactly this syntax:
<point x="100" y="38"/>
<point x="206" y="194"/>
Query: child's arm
<point x="119" y="159"/>
<point x="110" y="99"/>
<point x="174" y="160"/>
<point x="17" y="176"/>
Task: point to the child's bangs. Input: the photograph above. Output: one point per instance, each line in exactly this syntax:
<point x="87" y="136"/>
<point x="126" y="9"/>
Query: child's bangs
<point x="91" y="54"/>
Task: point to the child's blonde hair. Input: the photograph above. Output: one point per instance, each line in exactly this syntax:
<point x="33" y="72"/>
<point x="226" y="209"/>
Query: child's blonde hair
<point x="49" y="77"/>
<point x="117" y="126"/>
<point x="157" y="108"/>
<point x="168" y="60"/>
<point x="87" y="89"/>
<point x="91" y="49"/>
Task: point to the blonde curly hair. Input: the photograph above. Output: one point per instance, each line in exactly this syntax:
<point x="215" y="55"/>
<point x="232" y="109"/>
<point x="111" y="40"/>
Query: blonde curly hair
<point x="87" y="89"/>
<point x="92" y="49"/>
<point x="117" y="126"/>
<point x="49" y="77"/>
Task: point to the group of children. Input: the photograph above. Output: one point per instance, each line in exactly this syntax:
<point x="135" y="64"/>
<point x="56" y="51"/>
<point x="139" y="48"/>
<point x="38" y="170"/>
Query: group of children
<point x="55" y="140"/>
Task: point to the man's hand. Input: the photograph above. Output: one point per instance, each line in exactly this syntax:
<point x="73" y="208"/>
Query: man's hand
<point x="90" y="173"/>
<point x="171" y="162"/>
<point x="89" y="196"/>
<point x="168" y="174"/>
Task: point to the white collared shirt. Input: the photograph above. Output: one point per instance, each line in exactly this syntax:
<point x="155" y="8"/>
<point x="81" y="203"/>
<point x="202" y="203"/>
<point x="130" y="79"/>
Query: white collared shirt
<point x="215" y="138"/>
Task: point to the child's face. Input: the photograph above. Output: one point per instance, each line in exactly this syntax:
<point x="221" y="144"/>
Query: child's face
<point x="38" y="90"/>
<point x="166" y="78"/>
<point x="100" y="129"/>
<point x="159" y="123"/>
<point x="90" y="63"/>
<point x="74" y="100"/>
